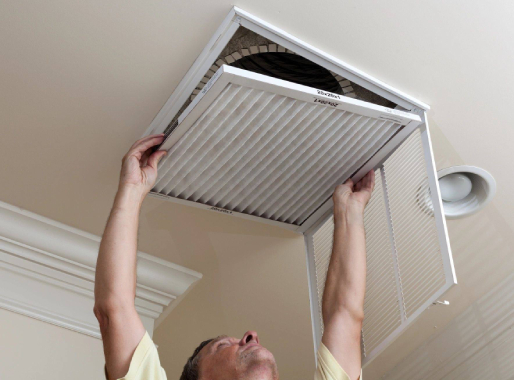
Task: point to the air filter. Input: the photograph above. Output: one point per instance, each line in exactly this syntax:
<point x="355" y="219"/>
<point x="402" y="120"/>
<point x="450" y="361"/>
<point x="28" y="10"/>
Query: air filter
<point x="269" y="148"/>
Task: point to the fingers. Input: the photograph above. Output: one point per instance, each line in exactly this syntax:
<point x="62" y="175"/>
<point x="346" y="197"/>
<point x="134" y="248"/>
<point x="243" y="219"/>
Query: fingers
<point x="358" y="186"/>
<point x="344" y="188"/>
<point x="369" y="181"/>
<point x="143" y="139"/>
<point x="148" y="143"/>
<point x="363" y="183"/>
<point x="349" y="182"/>
<point x="154" y="159"/>
<point x="144" y="157"/>
<point x="144" y="144"/>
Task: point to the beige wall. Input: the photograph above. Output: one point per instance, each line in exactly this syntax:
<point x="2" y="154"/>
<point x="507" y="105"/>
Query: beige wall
<point x="32" y="349"/>
<point x="255" y="278"/>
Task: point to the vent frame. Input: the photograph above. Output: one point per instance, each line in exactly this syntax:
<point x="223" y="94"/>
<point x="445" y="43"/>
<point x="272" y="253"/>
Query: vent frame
<point x="221" y="37"/>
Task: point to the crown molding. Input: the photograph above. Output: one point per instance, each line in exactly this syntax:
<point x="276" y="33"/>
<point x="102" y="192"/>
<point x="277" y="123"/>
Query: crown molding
<point x="47" y="271"/>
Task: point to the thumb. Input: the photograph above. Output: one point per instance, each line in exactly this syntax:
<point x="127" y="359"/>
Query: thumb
<point x="154" y="159"/>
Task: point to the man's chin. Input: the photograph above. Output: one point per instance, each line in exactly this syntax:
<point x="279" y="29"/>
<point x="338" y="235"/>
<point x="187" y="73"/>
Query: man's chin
<point x="260" y="359"/>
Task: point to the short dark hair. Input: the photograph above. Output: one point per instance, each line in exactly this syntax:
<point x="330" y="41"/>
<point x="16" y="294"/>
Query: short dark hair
<point x="191" y="370"/>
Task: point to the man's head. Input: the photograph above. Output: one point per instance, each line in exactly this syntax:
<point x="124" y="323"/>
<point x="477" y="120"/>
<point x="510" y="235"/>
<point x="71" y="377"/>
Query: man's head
<point x="227" y="358"/>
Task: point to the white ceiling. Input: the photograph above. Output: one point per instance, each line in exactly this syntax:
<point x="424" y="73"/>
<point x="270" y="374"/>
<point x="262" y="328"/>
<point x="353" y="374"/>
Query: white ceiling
<point x="81" y="80"/>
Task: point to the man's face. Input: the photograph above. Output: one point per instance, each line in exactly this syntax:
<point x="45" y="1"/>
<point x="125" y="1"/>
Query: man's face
<point x="227" y="358"/>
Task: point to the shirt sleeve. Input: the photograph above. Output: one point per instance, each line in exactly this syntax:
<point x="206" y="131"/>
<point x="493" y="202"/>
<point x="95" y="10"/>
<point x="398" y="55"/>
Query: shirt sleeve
<point x="328" y="368"/>
<point x="145" y="363"/>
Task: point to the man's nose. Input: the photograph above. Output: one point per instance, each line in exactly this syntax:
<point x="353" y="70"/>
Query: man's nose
<point x="249" y="337"/>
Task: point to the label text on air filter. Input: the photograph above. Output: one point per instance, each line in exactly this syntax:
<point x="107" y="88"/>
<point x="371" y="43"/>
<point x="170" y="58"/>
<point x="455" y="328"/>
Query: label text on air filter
<point x="221" y="210"/>
<point x="328" y="103"/>
<point x="329" y="94"/>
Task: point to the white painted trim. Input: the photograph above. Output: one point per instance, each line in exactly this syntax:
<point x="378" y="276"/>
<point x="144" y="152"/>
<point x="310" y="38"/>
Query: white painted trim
<point x="48" y="269"/>
<point x="49" y="317"/>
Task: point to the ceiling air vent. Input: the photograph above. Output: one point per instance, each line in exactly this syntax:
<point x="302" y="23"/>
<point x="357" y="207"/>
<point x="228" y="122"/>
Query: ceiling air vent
<point x="264" y="126"/>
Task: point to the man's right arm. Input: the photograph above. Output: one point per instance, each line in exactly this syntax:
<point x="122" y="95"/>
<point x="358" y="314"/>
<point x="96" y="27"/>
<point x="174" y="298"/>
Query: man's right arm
<point x="115" y="282"/>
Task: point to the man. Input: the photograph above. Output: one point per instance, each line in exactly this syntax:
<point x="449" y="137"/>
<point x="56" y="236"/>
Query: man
<point x="130" y="353"/>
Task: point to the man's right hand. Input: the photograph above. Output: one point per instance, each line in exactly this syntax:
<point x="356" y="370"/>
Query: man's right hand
<point x="139" y="165"/>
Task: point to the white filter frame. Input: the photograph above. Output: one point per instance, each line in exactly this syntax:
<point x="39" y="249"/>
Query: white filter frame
<point x="231" y="75"/>
<point x="203" y="63"/>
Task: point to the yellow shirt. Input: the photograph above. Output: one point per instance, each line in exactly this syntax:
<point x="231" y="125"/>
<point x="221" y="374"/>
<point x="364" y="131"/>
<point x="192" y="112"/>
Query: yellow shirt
<point x="145" y="364"/>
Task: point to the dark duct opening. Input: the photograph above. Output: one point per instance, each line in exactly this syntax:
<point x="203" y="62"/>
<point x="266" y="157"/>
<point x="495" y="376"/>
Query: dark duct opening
<point x="292" y="68"/>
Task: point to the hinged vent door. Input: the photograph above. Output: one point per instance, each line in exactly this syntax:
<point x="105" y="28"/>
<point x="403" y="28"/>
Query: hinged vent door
<point x="270" y="149"/>
<point x="409" y="263"/>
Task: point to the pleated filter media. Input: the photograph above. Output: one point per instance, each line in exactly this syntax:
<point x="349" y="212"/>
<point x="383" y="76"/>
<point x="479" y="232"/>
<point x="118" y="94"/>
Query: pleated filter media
<point x="269" y="148"/>
<point x="404" y="258"/>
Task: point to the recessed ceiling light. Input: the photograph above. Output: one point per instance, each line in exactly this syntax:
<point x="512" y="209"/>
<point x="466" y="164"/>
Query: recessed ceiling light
<point x="465" y="190"/>
<point x="455" y="187"/>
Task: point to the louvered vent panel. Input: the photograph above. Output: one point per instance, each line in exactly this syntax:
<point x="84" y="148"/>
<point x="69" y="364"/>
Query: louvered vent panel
<point x="322" y="243"/>
<point x="382" y="311"/>
<point x="405" y="268"/>
<point x="381" y="308"/>
<point x="272" y="156"/>
<point x="415" y="233"/>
